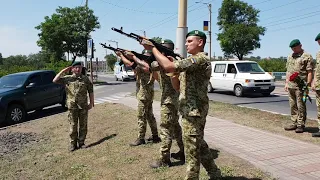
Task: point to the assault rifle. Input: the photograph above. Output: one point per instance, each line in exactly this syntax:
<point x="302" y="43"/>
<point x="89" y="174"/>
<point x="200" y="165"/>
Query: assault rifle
<point x="148" y="59"/>
<point x="138" y="55"/>
<point x="161" y="48"/>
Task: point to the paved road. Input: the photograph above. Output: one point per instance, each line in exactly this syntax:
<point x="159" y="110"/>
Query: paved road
<point x="277" y="102"/>
<point x="112" y="90"/>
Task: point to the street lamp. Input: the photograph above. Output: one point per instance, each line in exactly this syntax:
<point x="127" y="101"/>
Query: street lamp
<point x="114" y="42"/>
<point x="209" y="32"/>
<point x="143" y="31"/>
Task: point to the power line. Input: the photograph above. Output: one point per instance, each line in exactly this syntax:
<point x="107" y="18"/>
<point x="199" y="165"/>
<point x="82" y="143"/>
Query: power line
<point x="171" y="17"/>
<point x="295" y="19"/>
<point x="287" y="4"/>
<point x="135" y="10"/>
<point x="292" y="27"/>
<point x="300" y="10"/>
<point x="261" y="2"/>
<point x="145" y="2"/>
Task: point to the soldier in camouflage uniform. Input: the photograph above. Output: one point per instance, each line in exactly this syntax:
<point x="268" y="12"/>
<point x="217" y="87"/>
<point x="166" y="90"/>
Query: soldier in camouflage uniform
<point x="77" y="86"/>
<point x="301" y="62"/>
<point x="195" y="72"/>
<point x="316" y="85"/>
<point x="169" y="122"/>
<point x="144" y="94"/>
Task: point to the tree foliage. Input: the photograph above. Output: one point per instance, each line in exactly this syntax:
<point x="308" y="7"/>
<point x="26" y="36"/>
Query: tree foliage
<point x="67" y="30"/>
<point x="157" y="39"/>
<point x="20" y="63"/>
<point x="240" y="34"/>
<point x="111" y="60"/>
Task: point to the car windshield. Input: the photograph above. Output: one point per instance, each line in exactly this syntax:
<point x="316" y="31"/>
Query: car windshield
<point x="12" y="81"/>
<point x="249" y="67"/>
<point x="127" y="68"/>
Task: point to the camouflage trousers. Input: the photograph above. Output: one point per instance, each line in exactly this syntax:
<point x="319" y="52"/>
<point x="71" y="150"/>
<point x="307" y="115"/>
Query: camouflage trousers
<point x="318" y="106"/>
<point x="145" y="115"/>
<point x="297" y="107"/>
<point x="169" y="129"/>
<point x="196" y="149"/>
<point x="75" y="117"/>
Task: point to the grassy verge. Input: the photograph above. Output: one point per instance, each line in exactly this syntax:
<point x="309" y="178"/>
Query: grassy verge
<point x="111" y="127"/>
<point x="259" y="119"/>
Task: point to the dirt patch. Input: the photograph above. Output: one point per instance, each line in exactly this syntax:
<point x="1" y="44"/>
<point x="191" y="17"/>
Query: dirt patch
<point x="15" y="141"/>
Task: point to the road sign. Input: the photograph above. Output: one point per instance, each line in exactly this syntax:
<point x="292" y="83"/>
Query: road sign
<point x="205" y="25"/>
<point x="90" y="48"/>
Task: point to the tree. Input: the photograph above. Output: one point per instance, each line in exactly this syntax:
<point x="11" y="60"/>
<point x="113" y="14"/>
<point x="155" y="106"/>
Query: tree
<point x="67" y="30"/>
<point x="240" y="34"/>
<point x="157" y="39"/>
<point x="111" y="60"/>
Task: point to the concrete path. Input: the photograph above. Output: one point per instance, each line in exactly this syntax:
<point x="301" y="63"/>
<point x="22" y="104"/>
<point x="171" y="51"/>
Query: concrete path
<point x="284" y="158"/>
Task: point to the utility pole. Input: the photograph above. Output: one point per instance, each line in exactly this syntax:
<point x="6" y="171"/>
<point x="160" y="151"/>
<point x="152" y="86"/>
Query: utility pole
<point x="86" y="60"/>
<point x="106" y="60"/>
<point x="114" y="42"/>
<point x="182" y="28"/>
<point x="144" y="32"/>
<point x="209" y="32"/>
<point x="209" y="6"/>
<point x="117" y="47"/>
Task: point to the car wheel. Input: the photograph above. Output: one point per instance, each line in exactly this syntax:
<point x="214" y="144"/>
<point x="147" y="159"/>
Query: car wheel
<point x="210" y="89"/>
<point x="15" y="114"/>
<point x="265" y="94"/>
<point x="238" y="90"/>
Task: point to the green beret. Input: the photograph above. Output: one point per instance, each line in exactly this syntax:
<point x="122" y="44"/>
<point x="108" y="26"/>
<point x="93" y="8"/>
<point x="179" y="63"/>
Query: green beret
<point x="146" y="51"/>
<point x="318" y="37"/>
<point x="166" y="41"/>
<point x="198" y="33"/>
<point x="294" y="43"/>
<point x="76" y="63"/>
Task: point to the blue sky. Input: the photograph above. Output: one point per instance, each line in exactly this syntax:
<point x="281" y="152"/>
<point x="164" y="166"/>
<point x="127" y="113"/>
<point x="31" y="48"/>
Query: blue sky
<point x="285" y="20"/>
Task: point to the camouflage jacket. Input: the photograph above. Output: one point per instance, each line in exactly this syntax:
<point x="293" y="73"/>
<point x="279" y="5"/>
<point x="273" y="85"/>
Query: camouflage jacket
<point x="317" y="71"/>
<point x="77" y="88"/>
<point x="144" y="90"/>
<point x="194" y="78"/>
<point x="168" y="94"/>
<point x="301" y="64"/>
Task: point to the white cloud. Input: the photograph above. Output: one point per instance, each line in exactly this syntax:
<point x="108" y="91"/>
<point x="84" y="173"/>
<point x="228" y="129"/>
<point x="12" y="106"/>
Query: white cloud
<point x="16" y="41"/>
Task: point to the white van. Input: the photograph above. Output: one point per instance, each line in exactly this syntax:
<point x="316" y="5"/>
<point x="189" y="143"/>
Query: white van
<point x="123" y="72"/>
<point x="241" y="77"/>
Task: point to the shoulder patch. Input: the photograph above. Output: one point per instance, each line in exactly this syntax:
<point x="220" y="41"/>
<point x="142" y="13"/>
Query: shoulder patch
<point x="193" y="60"/>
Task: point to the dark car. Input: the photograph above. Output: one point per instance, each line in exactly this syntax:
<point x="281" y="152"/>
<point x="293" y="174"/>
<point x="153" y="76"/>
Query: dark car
<point x="27" y="91"/>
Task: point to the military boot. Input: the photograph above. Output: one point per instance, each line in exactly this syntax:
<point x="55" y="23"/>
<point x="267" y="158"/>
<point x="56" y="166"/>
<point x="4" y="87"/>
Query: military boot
<point x="290" y="127"/>
<point x="82" y="146"/>
<point x="179" y="155"/>
<point x="154" y="139"/>
<point x="138" y="142"/>
<point x="300" y="129"/>
<point x="72" y="147"/>
<point x="161" y="163"/>
<point x="317" y="134"/>
<point x="216" y="175"/>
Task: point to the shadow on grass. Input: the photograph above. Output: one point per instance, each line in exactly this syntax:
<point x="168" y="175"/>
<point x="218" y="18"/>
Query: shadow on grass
<point x="101" y="140"/>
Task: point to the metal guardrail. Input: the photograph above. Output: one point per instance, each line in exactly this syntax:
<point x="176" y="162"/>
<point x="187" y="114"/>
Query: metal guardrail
<point x="278" y="75"/>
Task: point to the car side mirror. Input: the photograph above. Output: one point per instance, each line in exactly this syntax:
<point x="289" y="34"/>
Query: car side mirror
<point x="31" y="85"/>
